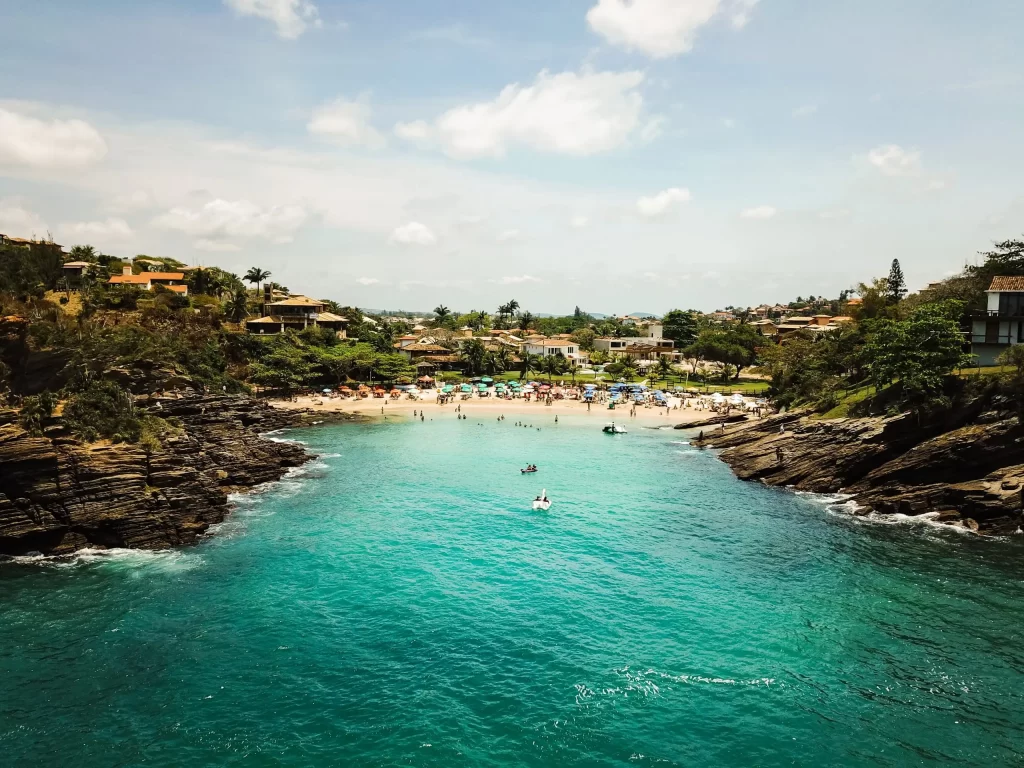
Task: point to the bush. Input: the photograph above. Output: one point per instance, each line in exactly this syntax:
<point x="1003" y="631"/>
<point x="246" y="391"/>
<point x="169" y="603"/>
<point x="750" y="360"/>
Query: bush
<point x="103" y="410"/>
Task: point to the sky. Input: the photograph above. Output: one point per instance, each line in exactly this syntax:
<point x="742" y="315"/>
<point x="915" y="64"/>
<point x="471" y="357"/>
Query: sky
<point x="617" y="155"/>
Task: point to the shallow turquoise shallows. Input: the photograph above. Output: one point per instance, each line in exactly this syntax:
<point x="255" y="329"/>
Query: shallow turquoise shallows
<point x="399" y="603"/>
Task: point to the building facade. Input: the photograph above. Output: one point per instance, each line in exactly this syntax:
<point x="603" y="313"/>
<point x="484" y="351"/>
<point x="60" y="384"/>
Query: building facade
<point x="1001" y="324"/>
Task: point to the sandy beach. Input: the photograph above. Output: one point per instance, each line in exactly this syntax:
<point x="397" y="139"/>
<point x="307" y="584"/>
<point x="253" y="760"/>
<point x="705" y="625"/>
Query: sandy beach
<point x="534" y="412"/>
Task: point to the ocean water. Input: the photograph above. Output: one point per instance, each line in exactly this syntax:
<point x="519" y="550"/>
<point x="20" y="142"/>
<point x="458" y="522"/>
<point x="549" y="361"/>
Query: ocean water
<point x="397" y="602"/>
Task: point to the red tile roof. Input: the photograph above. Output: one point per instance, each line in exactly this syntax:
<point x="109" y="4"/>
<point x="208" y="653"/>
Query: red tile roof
<point x="1007" y="284"/>
<point x="128" y="280"/>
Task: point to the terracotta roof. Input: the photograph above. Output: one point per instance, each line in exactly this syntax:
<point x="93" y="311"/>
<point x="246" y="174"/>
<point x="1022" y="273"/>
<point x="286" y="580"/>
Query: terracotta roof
<point x="176" y="288"/>
<point x="267" y="320"/>
<point x="163" y="275"/>
<point x="297" y="301"/>
<point x="551" y="343"/>
<point x="330" y="317"/>
<point x="1007" y="284"/>
<point x="128" y="280"/>
<point x="77" y="264"/>
<point x="425" y="348"/>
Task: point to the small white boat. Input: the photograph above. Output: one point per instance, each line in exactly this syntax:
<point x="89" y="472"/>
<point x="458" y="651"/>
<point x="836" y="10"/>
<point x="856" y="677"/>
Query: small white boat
<point x="614" y="429"/>
<point x="542" y="502"/>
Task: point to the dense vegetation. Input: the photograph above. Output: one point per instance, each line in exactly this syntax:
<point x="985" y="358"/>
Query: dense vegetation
<point x="119" y="342"/>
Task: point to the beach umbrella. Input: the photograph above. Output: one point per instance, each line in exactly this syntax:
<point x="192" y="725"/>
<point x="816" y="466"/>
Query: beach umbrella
<point x="486" y="379"/>
<point x="327" y="391"/>
<point x="466" y="388"/>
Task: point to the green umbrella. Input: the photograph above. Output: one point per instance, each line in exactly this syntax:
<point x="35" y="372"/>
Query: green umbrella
<point x="486" y="379"/>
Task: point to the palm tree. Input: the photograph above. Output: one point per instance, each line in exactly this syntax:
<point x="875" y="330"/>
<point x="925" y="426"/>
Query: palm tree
<point x="256" y="276"/>
<point x="524" y="321"/>
<point x="238" y="305"/>
<point x="504" y="358"/>
<point x="83" y="253"/>
<point x="474" y="354"/>
<point x="443" y="313"/>
<point x="553" y="365"/>
<point x="511" y="307"/>
<point x="529" y="363"/>
<point x="663" y="369"/>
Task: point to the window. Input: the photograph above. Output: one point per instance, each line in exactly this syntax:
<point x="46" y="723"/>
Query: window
<point x="1011" y="304"/>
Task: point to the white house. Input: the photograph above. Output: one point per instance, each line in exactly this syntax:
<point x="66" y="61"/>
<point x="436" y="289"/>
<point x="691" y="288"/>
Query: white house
<point x="1001" y="325"/>
<point x="563" y="347"/>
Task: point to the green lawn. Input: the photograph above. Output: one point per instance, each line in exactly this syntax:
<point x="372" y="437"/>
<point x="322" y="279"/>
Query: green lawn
<point x="854" y="396"/>
<point x="986" y="370"/>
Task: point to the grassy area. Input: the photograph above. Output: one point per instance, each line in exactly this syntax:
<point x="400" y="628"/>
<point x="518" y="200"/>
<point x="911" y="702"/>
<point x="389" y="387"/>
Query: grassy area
<point x="853" y="397"/>
<point x="986" y="370"/>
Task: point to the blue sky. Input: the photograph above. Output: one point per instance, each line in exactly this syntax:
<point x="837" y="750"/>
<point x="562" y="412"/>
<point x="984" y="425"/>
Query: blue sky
<point x="616" y="154"/>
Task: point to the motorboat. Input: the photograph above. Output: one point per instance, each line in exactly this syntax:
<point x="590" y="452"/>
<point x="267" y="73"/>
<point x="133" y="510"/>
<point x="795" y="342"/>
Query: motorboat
<point x="614" y="429"/>
<point x="542" y="502"/>
<point x="528" y="471"/>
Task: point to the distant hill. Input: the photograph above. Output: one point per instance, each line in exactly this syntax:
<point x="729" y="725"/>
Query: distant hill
<point x="645" y="314"/>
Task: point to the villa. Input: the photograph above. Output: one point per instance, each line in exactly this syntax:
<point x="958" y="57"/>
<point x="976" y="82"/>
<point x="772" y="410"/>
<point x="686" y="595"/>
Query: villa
<point x="566" y="348"/>
<point x="1001" y="324"/>
<point x="147" y="281"/>
<point x="296" y="313"/>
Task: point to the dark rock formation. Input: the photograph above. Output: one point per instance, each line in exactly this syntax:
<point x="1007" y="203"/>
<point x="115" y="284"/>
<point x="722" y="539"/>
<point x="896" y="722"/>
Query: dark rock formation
<point x="966" y="468"/>
<point x="715" y="421"/>
<point x="58" y="495"/>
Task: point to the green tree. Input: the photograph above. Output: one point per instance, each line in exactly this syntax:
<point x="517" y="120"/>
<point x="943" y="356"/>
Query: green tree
<point x="529" y="362"/>
<point x="525" y="320"/>
<point x="238" y="306"/>
<point x="681" y="327"/>
<point x="442" y="313"/>
<point x="474" y="353"/>
<point x="1013" y="357"/>
<point x="584" y="338"/>
<point x="919" y="352"/>
<point x="896" y="285"/>
<point x="256" y="276"/>
<point x="392" y="368"/>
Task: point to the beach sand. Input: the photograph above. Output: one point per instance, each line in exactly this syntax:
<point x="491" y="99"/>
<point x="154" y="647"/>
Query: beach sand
<point x="492" y="408"/>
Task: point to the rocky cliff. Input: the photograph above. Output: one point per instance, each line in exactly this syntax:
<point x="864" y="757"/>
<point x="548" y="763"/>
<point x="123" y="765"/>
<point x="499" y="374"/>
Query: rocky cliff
<point x="966" y="468"/>
<point x="58" y="495"/>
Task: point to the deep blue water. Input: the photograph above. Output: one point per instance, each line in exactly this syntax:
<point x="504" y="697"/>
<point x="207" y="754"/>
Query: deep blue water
<point x="398" y="603"/>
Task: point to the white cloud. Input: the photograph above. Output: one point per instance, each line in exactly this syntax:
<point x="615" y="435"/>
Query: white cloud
<point x="579" y="222"/>
<point x="219" y="220"/>
<point x="48" y="144"/>
<point x="519" y="280"/>
<point x="741" y="12"/>
<point x="894" y="160"/>
<point x="759" y="212"/>
<point x="455" y="34"/>
<point x="291" y="17"/>
<point x="661" y="202"/>
<point x="17" y="221"/>
<point x="111" y="229"/>
<point x="418" y="131"/>
<point x="805" y="111"/>
<point x="653" y="128"/>
<point x="346" y="123"/>
<point x="215" y="246"/>
<point x="413" y="233"/>
<point x="567" y="113"/>
<point x="659" y="28"/>
<point x="134" y="201"/>
<point x="842" y="213"/>
<point x="938" y="185"/>
<point x="508" y="234"/>
<point x="728" y="122"/>
<point x="368" y="281"/>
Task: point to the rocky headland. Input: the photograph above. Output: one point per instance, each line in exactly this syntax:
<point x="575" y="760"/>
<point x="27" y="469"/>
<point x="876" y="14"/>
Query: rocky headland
<point x="964" y="468"/>
<point x="58" y="495"/>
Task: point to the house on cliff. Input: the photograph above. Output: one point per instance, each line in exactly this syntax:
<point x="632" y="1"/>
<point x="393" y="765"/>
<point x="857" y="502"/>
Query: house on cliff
<point x="147" y="281"/>
<point x="1001" y="324"/>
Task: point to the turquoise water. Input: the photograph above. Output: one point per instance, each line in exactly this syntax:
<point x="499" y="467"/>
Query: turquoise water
<point x="398" y="603"/>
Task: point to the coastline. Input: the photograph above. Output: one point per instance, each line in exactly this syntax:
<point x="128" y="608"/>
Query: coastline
<point x="377" y="409"/>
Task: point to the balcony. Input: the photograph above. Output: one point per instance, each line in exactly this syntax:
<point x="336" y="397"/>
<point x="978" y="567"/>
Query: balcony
<point x="996" y="314"/>
<point x="983" y="338"/>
